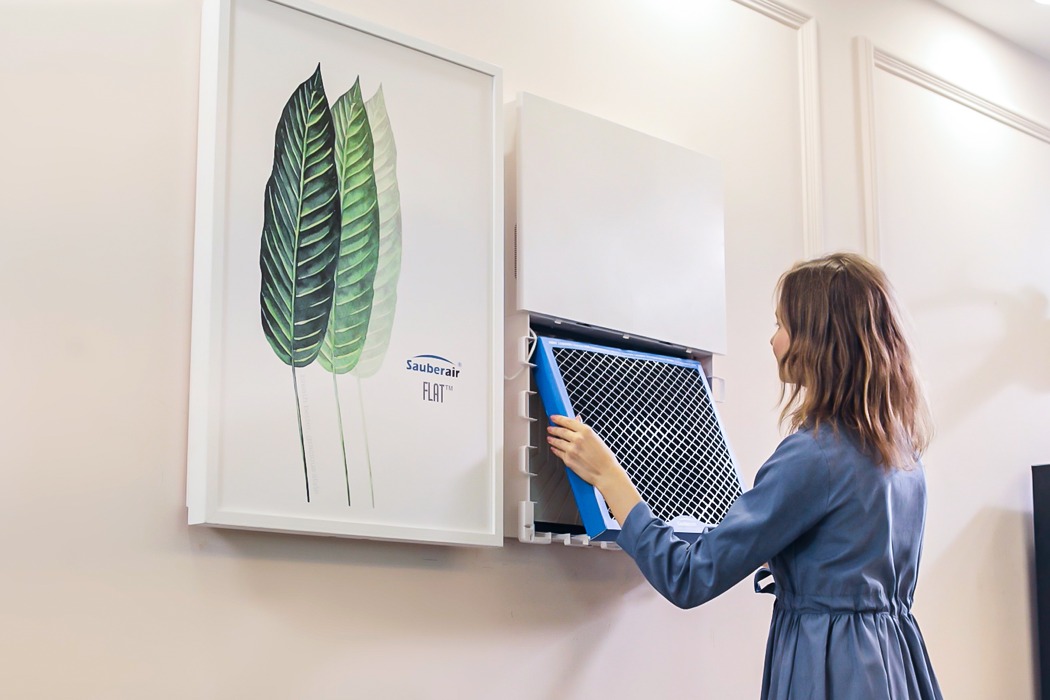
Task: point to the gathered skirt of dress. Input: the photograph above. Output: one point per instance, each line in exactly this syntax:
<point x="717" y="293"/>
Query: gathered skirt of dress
<point x="846" y="655"/>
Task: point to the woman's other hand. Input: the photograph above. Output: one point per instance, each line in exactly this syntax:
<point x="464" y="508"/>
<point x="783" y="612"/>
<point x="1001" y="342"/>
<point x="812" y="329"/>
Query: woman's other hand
<point x="576" y="444"/>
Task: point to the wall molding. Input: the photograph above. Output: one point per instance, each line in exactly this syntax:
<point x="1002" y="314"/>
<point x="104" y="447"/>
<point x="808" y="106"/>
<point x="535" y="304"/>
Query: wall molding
<point x="780" y="12"/>
<point x="809" y="104"/>
<point x="864" y="64"/>
<point x="870" y="58"/>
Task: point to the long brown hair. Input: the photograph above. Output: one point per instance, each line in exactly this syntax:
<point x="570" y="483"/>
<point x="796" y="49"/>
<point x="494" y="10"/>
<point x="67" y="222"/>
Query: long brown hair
<point x="848" y="363"/>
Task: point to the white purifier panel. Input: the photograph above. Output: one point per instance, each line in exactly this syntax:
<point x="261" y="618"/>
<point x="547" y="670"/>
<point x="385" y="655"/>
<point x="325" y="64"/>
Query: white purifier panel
<point x="618" y="229"/>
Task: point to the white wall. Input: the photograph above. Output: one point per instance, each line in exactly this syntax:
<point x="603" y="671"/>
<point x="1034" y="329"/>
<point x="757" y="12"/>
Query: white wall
<point x="107" y="594"/>
<point x="966" y="234"/>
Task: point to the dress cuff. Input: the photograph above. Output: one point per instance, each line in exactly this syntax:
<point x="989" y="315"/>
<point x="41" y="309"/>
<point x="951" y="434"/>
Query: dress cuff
<point x="633" y="524"/>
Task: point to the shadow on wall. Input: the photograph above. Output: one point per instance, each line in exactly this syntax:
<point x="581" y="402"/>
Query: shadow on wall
<point x="415" y="589"/>
<point x="1018" y="356"/>
<point x="980" y="587"/>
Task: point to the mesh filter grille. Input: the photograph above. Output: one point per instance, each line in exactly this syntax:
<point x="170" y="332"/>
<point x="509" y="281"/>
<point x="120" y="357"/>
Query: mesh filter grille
<point x="658" y="419"/>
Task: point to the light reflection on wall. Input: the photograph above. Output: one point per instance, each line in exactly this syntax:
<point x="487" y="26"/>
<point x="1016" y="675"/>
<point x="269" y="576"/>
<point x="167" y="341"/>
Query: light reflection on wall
<point x="966" y="63"/>
<point x="956" y="56"/>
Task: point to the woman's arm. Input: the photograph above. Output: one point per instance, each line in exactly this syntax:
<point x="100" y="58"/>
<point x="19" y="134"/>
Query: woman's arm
<point x="790" y="496"/>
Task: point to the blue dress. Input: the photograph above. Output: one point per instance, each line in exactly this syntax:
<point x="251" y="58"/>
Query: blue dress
<point x="843" y="538"/>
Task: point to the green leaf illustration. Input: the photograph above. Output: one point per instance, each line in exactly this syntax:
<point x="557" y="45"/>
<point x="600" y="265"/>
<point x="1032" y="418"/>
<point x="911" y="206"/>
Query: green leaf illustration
<point x="359" y="235"/>
<point x="384" y="303"/>
<point x="300" y="241"/>
<point x="300" y="236"/>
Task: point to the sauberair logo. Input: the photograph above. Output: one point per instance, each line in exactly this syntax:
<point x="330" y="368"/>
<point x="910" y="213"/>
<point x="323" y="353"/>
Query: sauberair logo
<point x="438" y="371"/>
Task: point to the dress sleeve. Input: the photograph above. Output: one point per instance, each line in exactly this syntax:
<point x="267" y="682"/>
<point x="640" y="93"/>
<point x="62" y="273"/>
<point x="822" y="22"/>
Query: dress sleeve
<point x="789" y="497"/>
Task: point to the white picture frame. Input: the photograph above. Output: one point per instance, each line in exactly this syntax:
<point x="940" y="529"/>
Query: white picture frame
<point x="433" y="449"/>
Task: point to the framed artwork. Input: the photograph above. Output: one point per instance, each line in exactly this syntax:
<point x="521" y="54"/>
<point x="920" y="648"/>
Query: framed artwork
<point x="346" y="363"/>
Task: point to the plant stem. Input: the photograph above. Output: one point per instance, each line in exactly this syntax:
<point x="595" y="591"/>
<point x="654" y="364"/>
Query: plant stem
<point x="368" y="452"/>
<point x="302" y="442"/>
<point x="342" y="440"/>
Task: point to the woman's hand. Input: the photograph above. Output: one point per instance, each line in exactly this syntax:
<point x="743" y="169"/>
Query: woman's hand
<point x="582" y="450"/>
<point x="585" y="453"/>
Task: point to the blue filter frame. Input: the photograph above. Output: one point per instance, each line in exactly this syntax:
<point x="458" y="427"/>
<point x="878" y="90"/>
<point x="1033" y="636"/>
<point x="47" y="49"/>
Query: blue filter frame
<point x="702" y="481"/>
<point x="551" y="386"/>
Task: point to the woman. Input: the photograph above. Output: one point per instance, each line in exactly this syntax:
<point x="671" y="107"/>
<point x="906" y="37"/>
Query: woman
<point x="837" y="510"/>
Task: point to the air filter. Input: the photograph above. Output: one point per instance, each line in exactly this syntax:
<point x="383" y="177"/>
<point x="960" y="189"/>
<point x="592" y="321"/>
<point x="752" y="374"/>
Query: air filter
<point x="656" y="414"/>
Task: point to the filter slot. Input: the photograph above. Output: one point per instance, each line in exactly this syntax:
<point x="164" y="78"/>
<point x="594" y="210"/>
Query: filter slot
<point x="555" y="508"/>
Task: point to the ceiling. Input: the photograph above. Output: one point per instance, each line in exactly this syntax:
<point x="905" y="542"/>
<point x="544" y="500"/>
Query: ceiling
<point x="1023" y="22"/>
